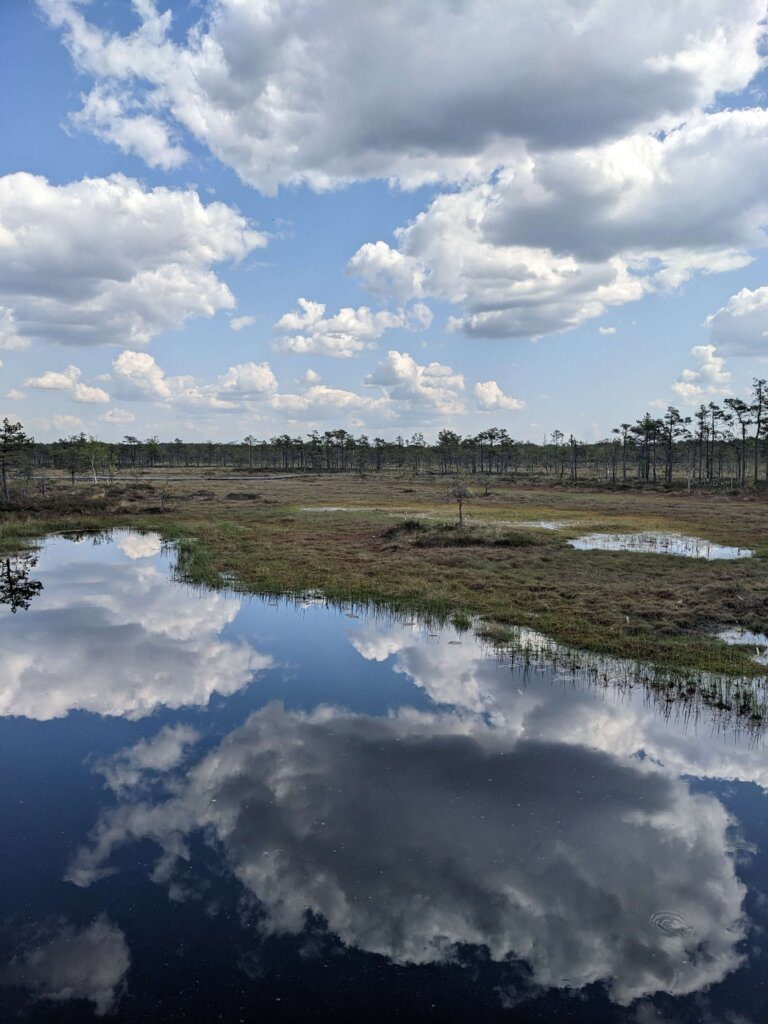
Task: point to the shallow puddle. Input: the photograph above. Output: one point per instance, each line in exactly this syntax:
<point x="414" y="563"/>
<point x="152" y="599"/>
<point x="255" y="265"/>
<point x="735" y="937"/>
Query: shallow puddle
<point x="658" y="543"/>
<point x="747" y="638"/>
<point x="227" y="808"/>
<point x="336" y="508"/>
<point x="736" y="635"/>
<point x="546" y="524"/>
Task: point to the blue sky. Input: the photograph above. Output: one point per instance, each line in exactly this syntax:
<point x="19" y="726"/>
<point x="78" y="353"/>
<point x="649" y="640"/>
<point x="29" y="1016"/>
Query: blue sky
<point x="545" y="219"/>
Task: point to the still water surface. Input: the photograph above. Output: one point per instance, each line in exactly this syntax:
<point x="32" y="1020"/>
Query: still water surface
<point x="659" y="543"/>
<point x="226" y="808"/>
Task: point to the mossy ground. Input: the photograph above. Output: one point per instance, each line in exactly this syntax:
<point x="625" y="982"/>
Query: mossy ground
<point x="267" y="532"/>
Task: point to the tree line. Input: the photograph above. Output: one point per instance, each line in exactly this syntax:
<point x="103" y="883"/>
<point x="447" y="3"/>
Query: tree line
<point x="719" y="444"/>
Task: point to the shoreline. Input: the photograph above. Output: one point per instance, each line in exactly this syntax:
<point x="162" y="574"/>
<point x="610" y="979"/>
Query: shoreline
<point x="498" y="567"/>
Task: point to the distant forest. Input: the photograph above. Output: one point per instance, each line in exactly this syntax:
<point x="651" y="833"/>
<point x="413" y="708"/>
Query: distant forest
<point x="719" y="445"/>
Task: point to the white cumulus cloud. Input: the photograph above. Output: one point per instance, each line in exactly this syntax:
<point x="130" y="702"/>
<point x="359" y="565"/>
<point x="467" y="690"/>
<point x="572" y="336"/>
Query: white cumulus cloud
<point x="346" y="333"/>
<point x="9" y="336"/>
<point x="53" y="380"/>
<point x="247" y="380"/>
<point x="137" y="376"/>
<point x="490" y="397"/>
<point x="109" y="261"/>
<point x="65" y="422"/>
<point x="266" y="87"/>
<point x="587" y="159"/>
<point x="239" y="323"/>
<point x="117" y="416"/>
<point x="741" y="326"/>
<point x="321" y="401"/>
<point x="557" y="238"/>
<point x="109" y="116"/>
<point x="88" y="395"/>
<point x="707" y="379"/>
<point x="414" y="387"/>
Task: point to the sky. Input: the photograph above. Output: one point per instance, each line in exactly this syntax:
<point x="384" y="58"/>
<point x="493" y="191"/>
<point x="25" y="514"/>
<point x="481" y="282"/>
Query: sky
<point x="237" y="217"/>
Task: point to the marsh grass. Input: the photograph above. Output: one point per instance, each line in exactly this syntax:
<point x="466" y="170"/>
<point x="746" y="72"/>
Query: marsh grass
<point x="740" y="701"/>
<point x="392" y="544"/>
<point x="422" y="534"/>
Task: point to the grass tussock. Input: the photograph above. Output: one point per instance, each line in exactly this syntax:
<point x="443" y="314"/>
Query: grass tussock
<point x="494" y="536"/>
<point x="421" y="534"/>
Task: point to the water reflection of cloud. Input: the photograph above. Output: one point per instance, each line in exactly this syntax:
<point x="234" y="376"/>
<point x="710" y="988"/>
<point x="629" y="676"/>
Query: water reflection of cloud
<point x="415" y="833"/>
<point x="140" y="545"/>
<point x="90" y="963"/>
<point x="455" y="683"/>
<point x="120" y="639"/>
<point x="135" y="766"/>
<point x="536" y="705"/>
<point x="376" y="644"/>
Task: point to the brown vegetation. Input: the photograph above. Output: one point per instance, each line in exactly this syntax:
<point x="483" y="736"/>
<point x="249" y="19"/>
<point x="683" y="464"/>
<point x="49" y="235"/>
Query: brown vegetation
<point x="394" y="541"/>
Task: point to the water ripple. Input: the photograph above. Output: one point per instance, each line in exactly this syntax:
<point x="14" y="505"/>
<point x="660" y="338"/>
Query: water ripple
<point x="671" y="922"/>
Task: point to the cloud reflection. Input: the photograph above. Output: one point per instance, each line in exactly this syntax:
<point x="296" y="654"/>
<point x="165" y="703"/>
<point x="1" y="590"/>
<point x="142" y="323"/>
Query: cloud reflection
<point x="140" y="545"/>
<point x="414" y="834"/>
<point x="69" y="963"/>
<point x="539" y="702"/>
<point x="117" y="637"/>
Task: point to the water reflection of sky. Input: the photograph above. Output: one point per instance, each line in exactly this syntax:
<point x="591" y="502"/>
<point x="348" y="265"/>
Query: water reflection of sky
<point x="223" y="807"/>
<point x="659" y="543"/>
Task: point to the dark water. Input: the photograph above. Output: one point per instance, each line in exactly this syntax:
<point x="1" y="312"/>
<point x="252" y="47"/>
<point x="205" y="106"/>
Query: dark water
<point x="226" y="809"/>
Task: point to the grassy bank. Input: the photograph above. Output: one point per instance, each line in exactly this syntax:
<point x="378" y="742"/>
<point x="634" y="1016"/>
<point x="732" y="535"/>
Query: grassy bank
<point x="392" y="542"/>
